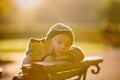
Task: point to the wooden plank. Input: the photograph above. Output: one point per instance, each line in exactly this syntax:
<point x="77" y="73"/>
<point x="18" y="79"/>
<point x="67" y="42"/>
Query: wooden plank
<point x="62" y="70"/>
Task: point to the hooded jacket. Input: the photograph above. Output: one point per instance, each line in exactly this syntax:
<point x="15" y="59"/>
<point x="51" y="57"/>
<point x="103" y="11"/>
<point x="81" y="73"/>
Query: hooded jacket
<point x="36" y="48"/>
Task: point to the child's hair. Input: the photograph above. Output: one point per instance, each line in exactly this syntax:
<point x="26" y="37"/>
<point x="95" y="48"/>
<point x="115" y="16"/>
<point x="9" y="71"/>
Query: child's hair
<point x="60" y="28"/>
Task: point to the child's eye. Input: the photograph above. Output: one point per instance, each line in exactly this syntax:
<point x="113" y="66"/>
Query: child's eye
<point x="59" y="42"/>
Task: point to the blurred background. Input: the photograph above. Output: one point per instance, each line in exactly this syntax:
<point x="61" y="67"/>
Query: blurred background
<point x="96" y="24"/>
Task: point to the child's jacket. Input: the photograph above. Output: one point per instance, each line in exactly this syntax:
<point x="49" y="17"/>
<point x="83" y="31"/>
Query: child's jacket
<point x="36" y="52"/>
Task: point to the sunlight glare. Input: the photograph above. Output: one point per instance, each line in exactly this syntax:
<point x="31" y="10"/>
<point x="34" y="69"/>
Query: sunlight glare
<point x="27" y="4"/>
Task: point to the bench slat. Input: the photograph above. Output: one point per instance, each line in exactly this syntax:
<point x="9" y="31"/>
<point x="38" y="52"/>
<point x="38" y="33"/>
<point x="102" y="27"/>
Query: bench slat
<point x="63" y="70"/>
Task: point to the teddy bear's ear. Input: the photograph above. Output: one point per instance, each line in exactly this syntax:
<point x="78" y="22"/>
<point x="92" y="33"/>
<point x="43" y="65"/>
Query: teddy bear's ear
<point x="33" y="45"/>
<point x="34" y="40"/>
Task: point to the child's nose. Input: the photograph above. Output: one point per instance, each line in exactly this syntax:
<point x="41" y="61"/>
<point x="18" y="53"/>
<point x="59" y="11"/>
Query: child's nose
<point x="63" y="45"/>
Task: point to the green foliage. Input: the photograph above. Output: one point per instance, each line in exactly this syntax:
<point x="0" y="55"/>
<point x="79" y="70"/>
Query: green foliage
<point x="90" y="46"/>
<point x="113" y="12"/>
<point x="13" y="45"/>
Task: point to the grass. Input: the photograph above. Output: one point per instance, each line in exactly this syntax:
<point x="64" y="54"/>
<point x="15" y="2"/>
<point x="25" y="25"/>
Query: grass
<point x="90" y="46"/>
<point x="19" y="45"/>
<point x="13" y="45"/>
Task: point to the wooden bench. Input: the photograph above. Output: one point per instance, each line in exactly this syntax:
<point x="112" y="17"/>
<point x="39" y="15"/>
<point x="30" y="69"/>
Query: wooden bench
<point x="60" y="70"/>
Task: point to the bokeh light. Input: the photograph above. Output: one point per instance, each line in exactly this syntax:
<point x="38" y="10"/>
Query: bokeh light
<point x="27" y="4"/>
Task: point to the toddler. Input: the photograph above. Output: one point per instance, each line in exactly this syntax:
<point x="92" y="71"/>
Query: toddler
<point x="56" y="46"/>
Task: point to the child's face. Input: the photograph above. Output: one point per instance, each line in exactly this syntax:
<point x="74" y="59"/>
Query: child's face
<point x="61" y="43"/>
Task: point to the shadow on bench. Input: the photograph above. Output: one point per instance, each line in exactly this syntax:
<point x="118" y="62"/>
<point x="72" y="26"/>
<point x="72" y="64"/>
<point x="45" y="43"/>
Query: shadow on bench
<point x="59" y="70"/>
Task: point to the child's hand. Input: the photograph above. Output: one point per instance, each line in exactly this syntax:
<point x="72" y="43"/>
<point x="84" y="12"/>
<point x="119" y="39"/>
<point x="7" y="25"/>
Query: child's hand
<point x="48" y="58"/>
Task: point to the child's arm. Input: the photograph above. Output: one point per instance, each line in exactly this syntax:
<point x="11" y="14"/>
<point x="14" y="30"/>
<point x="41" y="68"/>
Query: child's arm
<point x="76" y="53"/>
<point x="49" y="58"/>
<point x="65" y="57"/>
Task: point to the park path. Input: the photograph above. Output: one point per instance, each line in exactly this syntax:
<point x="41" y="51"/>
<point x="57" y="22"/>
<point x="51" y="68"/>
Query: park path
<point x="109" y="67"/>
<point x="10" y="69"/>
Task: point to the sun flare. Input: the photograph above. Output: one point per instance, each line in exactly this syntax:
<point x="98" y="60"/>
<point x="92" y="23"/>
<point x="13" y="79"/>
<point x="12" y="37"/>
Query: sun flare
<point x="27" y="4"/>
